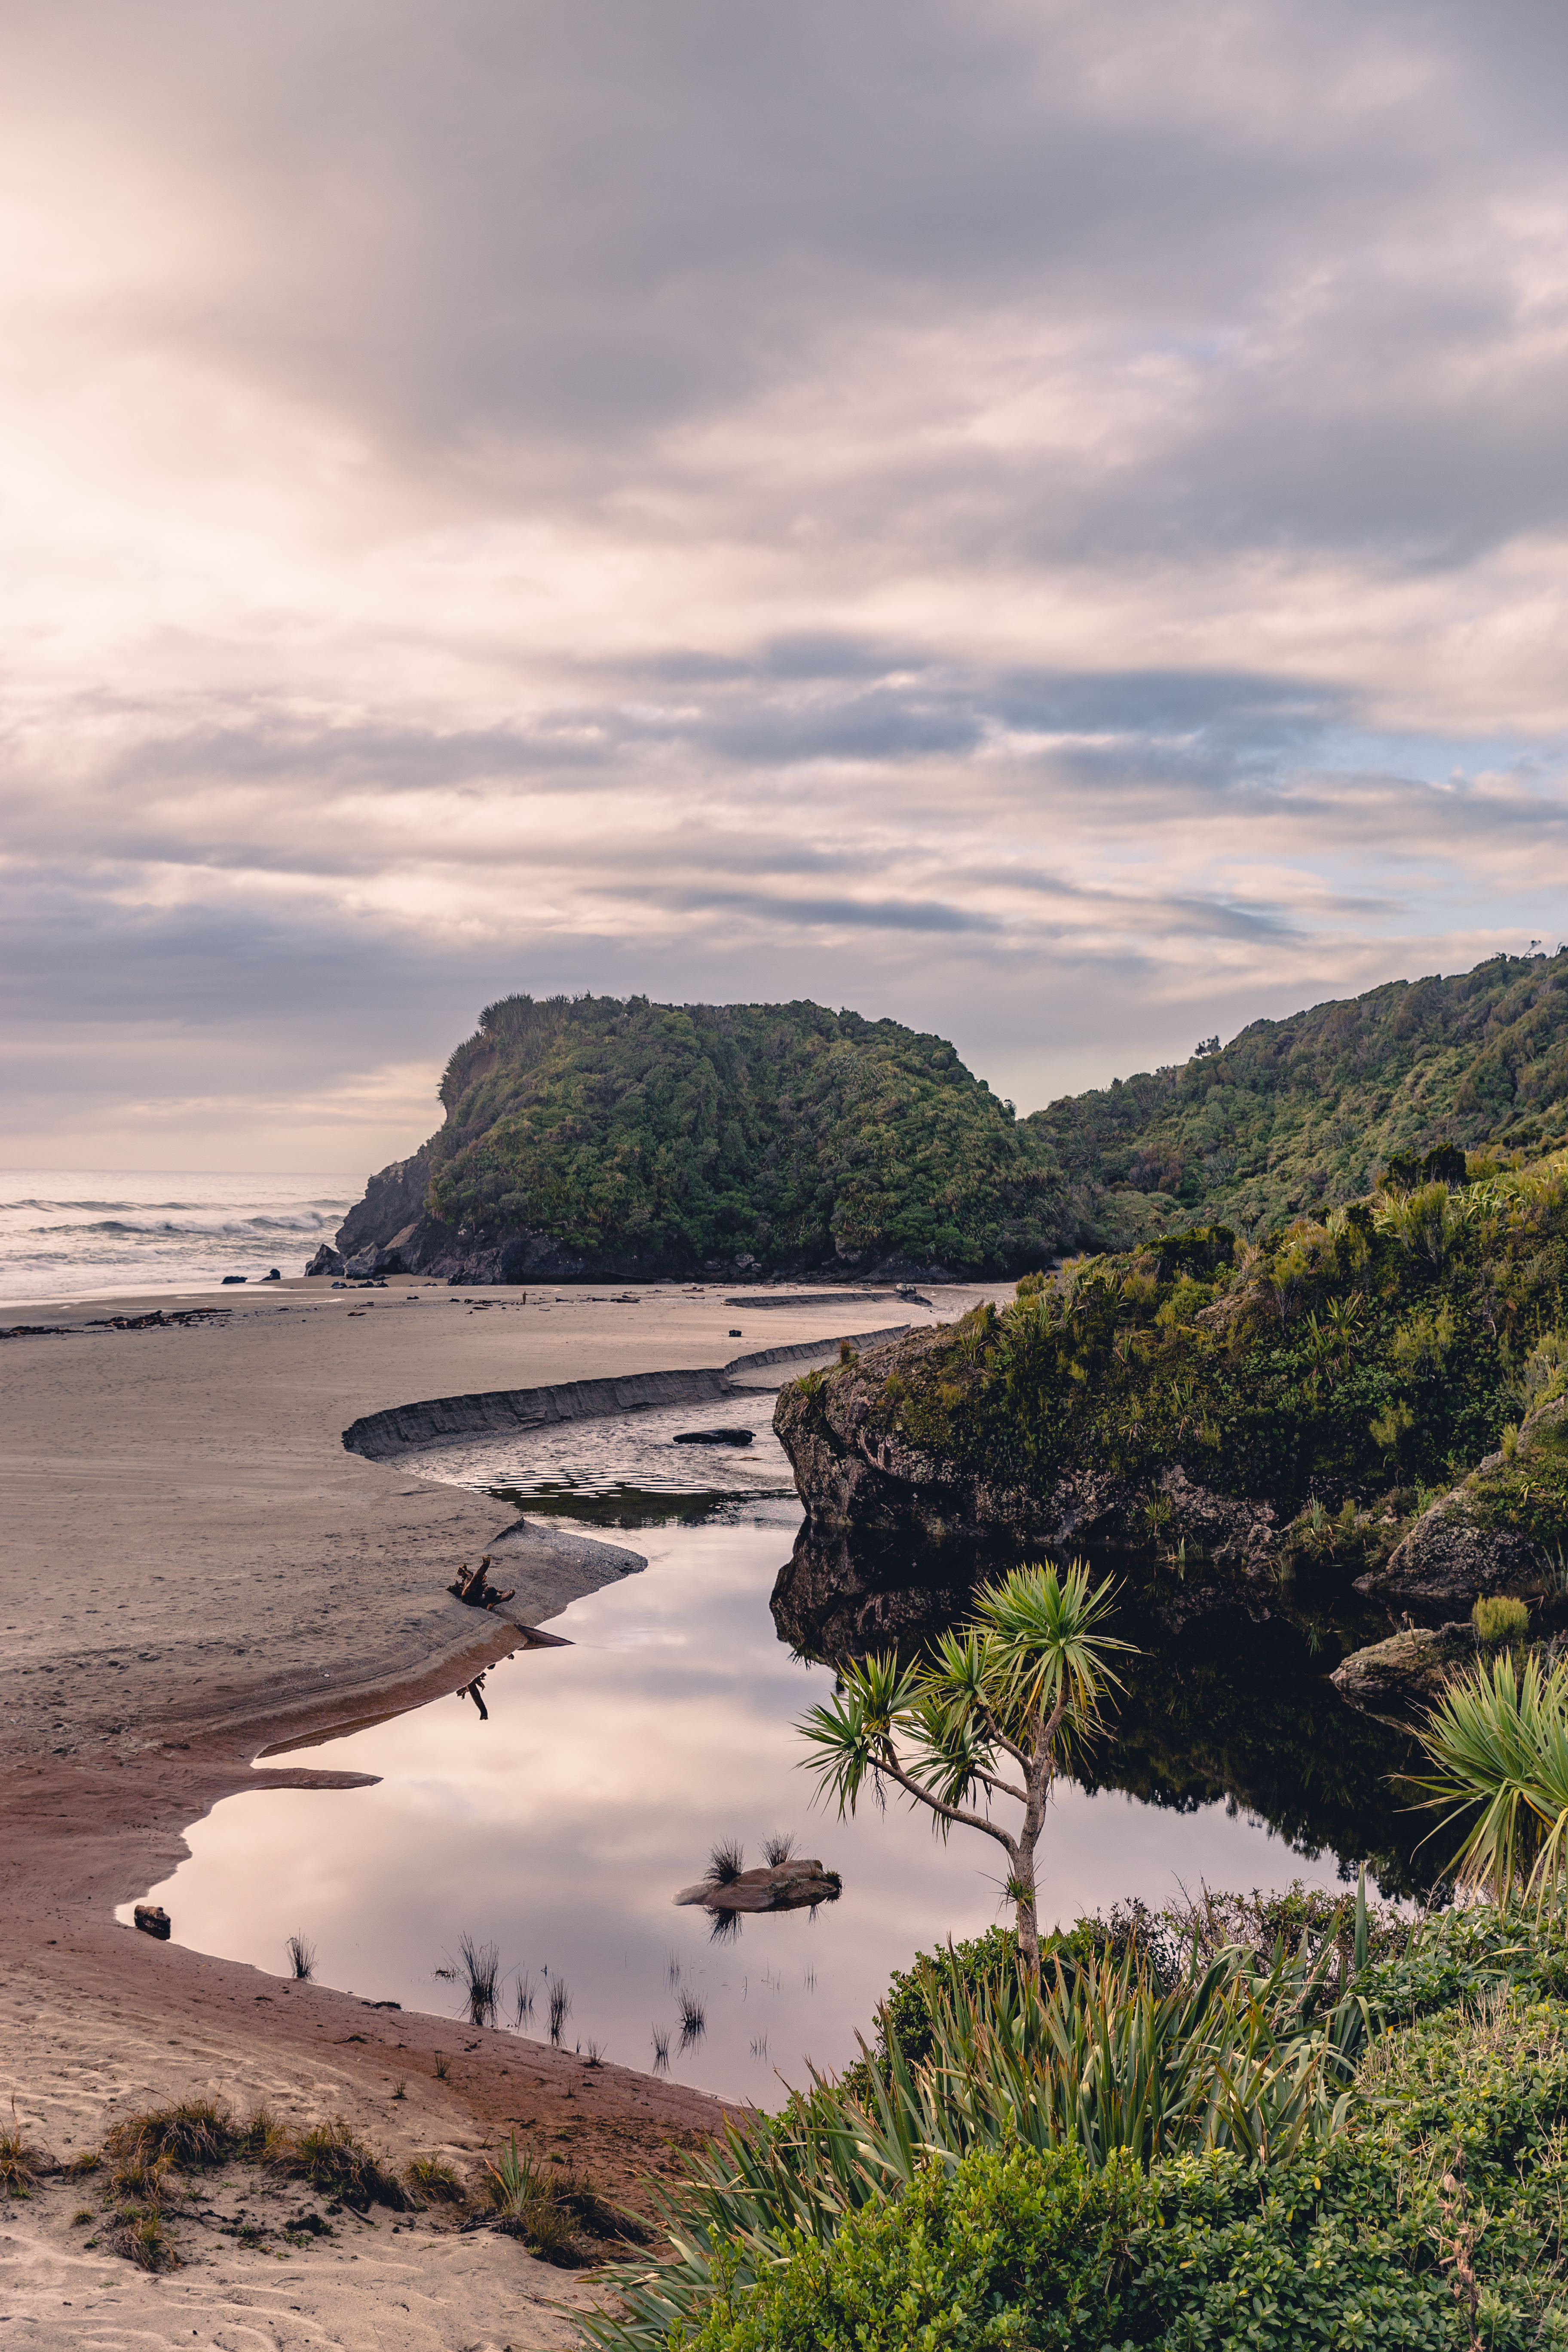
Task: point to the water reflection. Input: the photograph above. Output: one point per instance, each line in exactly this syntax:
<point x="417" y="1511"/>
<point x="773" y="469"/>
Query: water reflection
<point x="563" y="1826"/>
<point x="1222" y="1703"/>
<point x="556" y="1805"/>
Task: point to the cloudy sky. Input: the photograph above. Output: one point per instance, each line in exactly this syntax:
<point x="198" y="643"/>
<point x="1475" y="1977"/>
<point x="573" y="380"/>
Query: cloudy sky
<point x="1044" y="521"/>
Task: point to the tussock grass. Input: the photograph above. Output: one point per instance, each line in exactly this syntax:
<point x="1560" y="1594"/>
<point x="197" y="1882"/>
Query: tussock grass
<point x="20" y="2163"/>
<point x="526" y="2204"/>
<point x="434" y="2181"/>
<point x="144" y="2240"/>
<point x="560" y="2008"/>
<point x="777" y="1849"/>
<point x="725" y="1862"/>
<point x="338" y="2165"/>
<point x="301" y="1959"/>
<point x="192" y="2134"/>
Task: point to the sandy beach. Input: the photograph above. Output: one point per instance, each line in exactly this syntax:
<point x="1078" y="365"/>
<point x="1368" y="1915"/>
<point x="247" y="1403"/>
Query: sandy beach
<point x="198" y="1570"/>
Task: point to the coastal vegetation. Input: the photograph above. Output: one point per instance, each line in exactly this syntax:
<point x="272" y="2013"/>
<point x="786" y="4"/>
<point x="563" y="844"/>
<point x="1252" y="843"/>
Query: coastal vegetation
<point x="1338" y="1378"/>
<point x="980" y="1724"/>
<point x="605" y="1135"/>
<point x="1358" y="2136"/>
<point x="1305" y="1112"/>
<point x="786" y="1134"/>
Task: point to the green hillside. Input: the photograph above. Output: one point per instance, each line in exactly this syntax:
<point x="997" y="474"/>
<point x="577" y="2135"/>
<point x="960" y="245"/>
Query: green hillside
<point x="634" y="1137"/>
<point x="1304" y="1112"/>
<point x="641" y="1135"/>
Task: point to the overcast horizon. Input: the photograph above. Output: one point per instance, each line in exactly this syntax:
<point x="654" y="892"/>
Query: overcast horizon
<point x="1045" y="524"/>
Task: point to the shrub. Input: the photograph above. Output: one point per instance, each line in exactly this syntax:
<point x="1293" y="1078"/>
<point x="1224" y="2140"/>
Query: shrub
<point x="20" y="2163"/>
<point x="1500" y="1618"/>
<point x="1458" y="2146"/>
<point x="434" y="2183"/>
<point x="1100" y="2070"/>
<point x="337" y="2165"/>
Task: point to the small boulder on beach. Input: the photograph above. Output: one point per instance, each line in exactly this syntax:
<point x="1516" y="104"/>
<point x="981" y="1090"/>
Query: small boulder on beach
<point x="714" y="1437"/>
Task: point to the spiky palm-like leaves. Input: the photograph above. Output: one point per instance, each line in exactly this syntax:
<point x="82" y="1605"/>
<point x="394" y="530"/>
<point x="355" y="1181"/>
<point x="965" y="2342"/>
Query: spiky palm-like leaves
<point x="989" y="1716"/>
<point x="1498" y="1740"/>
<point x="1256" y="2059"/>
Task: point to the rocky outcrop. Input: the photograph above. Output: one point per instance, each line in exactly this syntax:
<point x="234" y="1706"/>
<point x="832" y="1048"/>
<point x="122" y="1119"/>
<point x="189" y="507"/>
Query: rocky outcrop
<point x="327" y="1260"/>
<point x="394" y="1202"/>
<point x="1405" y="1673"/>
<point x="1497" y="1532"/>
<point x="795" y="1885"/>
<point x="857" y="1468"/>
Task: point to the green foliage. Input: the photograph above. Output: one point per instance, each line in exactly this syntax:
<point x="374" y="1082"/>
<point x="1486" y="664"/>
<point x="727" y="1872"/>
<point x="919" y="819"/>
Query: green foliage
<point x="989" y="1715"/>
<point x="1498" y="1619"/>
<point x="1098" y="2068"/>
<point x="1497" y="1742"/>
<point x="1393" y="1342"/>
<point x="673" y="1133"/>
<point x="1455" y="2144"/>
<point x="1298" y="1115"/>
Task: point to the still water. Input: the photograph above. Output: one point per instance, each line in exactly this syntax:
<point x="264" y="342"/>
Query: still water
<point x="561" y="1828"/>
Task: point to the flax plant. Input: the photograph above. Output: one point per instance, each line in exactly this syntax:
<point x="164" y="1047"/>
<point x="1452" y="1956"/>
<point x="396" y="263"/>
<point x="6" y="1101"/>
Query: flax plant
<point x="1258" y="2060"/>
<point x="1498" y="1741"/>
<point x="988" y="1719"/>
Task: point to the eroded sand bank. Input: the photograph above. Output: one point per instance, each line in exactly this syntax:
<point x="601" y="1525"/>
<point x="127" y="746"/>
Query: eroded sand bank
<point x="196" y="1569"/>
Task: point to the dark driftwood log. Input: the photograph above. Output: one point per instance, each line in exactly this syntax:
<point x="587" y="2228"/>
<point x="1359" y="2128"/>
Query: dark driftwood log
<point x="785" y="1887"/>
<point x="474" y="1591"/>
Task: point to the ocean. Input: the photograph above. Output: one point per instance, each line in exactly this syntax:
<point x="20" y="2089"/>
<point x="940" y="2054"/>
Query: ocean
<point x="89" y="1232"/>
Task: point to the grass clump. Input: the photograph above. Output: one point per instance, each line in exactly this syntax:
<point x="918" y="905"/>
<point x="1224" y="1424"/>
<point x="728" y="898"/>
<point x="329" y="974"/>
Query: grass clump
<point x="301" y="1959"/>
<point x="20" y="2162"/>
<point x="1499" y="1619"/>
<point x="527" y="2205"/>
<point x="338" y="2165"/>
<point x="434" y="2183"/>
<point x="143" y="2239"/>
<point x="726" y="1862"/>
<point x="190" y="2135"/>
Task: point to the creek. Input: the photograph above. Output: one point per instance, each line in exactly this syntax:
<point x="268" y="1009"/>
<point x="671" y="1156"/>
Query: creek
<point x="560" y="1827"/>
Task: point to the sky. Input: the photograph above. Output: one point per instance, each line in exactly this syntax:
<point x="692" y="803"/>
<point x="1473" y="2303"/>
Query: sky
<point x="1045" y="523"/>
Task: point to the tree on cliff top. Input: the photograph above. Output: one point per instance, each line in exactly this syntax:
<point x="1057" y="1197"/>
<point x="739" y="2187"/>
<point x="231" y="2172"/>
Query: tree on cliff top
<point x="1005" y="1696"/>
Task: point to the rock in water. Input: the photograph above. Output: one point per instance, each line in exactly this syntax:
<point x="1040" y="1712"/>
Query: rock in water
<point x="714" y="1437"/>
<point x="785" y="1886"/>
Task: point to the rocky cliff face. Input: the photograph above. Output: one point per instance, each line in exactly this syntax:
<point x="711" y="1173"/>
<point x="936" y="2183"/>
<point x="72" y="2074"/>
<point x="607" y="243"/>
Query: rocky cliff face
<point x="857" y="1470"/>
<point x="1493" y="1533"/>
<point x="394" y="1202"/>
<point x="392" y="1231"/>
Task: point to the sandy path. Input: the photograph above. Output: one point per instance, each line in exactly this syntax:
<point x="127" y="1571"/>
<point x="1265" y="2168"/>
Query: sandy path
<point x="194" y="1569"/>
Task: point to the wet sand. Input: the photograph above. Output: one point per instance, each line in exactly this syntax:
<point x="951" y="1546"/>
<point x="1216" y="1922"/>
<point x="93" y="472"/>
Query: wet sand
<point x="195" y="1570"/>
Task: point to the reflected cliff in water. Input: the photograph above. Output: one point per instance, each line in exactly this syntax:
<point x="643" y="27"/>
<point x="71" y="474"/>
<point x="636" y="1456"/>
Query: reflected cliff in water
<point x="1226" y="1699"/>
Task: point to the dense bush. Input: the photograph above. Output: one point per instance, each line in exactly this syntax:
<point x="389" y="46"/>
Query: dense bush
<point x="785" y="1132"/>
<point x="1388" y="1348"/>
<point x="1309" y="1110"/>
<point x="1430" y="2215"/>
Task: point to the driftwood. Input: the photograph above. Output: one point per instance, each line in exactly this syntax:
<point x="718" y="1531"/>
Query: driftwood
<point x="783" y="1886"/>
<point x="474" y="1589"/>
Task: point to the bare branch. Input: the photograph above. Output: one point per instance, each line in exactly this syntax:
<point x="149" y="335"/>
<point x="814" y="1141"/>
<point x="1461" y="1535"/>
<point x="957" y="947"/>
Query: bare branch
<point x="895" y="1771"/>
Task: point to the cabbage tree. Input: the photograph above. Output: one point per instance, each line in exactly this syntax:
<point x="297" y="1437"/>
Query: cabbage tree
<point x="977" y="1731"/>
